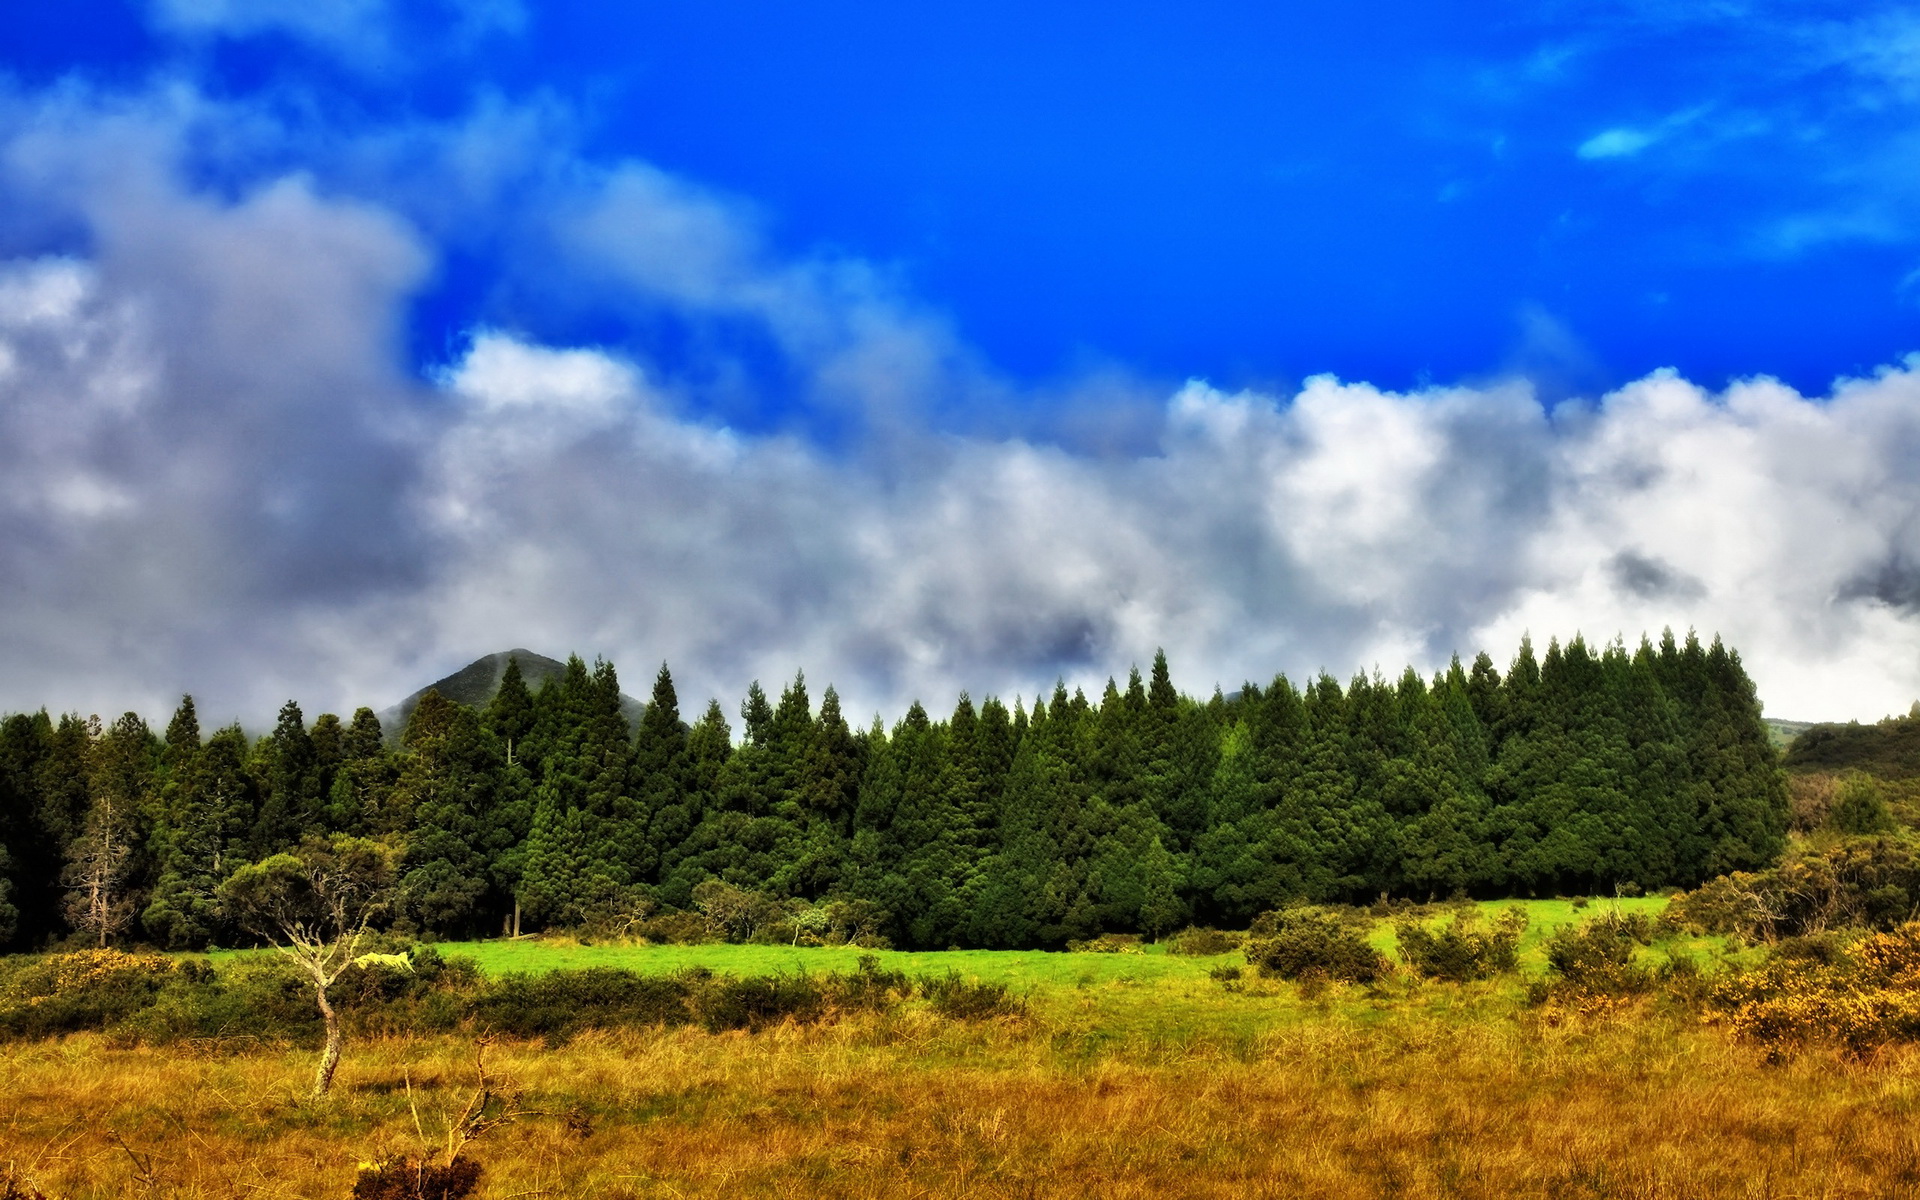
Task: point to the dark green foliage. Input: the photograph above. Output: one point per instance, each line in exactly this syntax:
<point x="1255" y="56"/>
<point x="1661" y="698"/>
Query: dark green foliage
<point x="1597" y="769"/>
<point x="209" y="804"/>
<point x="448" y="784"/>
<point x="1303" y="942"/>
<point x="1461" y="950"/>
<point x="585" y="825"/>
<point x="960" y="999"/>
<point x="755" y="1002"/>
<point x="360" y="800"/>
<point x="108" y="860"/>
<point x="561" y="1003"/>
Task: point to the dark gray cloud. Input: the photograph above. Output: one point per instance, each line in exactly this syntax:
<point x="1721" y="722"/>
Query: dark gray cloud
<point x="1894" y="583"/>
<point x="1650" y="579"/>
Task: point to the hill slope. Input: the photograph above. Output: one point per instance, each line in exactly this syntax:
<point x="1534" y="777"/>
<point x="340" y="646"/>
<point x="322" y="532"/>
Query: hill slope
<point x="475" y="684"/>
<point x="1889" y="748"/>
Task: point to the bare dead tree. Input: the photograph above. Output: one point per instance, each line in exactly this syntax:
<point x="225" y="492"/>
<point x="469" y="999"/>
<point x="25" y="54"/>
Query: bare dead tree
<point x="314" y="905"/>
<point x="98" y="900"/>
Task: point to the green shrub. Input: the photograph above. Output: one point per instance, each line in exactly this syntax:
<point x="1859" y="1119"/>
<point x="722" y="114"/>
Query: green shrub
<point x="1202" y="943"/>
<point x="1298" y="942"/>
<point x="561" y="1003"/>
<point x="755" y="1002"/>
<point x="1863" y="882"/>
<point x="1859" y="806"/>
<point x="1597" y="958"/>
<point x="1460" y="950"/>
<point x="870" y="987"/>
<point x="960" y="999"/>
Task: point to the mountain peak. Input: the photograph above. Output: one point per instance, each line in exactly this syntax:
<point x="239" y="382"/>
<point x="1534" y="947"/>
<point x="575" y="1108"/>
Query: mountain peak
<point x="476" y="683"/>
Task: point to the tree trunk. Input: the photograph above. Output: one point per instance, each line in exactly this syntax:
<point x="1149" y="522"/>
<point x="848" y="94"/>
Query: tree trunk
<point x="516" y="916"/>
<point x="330" y="1057"/>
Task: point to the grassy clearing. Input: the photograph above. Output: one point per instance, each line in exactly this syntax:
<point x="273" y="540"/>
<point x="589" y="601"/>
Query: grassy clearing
<point x="1039" y="969"/>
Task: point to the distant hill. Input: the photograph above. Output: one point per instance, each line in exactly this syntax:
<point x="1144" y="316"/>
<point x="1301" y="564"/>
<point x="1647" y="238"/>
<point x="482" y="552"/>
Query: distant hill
<point x="1782" y="733"/>
<point x="1889" y="748"/>
<point x="475" y="684"/>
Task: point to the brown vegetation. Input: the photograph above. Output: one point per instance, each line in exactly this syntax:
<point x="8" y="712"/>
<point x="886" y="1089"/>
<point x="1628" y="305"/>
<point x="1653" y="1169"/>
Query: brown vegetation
<point x="1416" y="1105"/>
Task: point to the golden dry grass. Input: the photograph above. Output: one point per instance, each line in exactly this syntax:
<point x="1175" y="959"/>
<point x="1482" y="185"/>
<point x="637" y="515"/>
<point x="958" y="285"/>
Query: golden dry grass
<point x="1413" y="1104"/>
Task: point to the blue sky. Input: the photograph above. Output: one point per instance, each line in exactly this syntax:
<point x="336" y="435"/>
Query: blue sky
<point x="1409" y="194"/>
<point x="951" y="345"/>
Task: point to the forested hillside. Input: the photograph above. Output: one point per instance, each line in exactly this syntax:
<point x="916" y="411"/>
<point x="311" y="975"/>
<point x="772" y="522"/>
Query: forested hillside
<point x="1140" y="810"/>
<point x="1889" y="748"/>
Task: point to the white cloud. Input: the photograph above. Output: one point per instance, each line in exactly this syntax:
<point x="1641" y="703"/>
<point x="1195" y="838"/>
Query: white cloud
<point x="216" y="474"/>
<point x="1619" y="142"/>
<point x="368" y="33"/>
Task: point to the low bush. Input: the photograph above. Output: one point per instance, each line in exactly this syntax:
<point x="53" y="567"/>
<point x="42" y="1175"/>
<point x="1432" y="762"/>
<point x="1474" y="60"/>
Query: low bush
<point x="88" y="989"/>
<point x="151" y="997"/>
<point x="674" y="929"/>
<point x="1837" y="883"/>
<point x="1856" y="995"/>
<point x="1294" y="943"/>
<point x="558" y="1004"/>
<point x="414" y="1179"/>
<point x="1203" y="943"/>
<point x="1598" y="958"/>
<point x="1462" y="949"/>
<point x="960" y="999"/>
<point x="757" y="1001"/>
<point x="870" y="987"/>
<point x="1109" y="943"/>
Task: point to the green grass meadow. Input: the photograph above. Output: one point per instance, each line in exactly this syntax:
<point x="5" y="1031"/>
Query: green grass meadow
<point x="1149" y="997"/>
<point x="1017" y="968"/>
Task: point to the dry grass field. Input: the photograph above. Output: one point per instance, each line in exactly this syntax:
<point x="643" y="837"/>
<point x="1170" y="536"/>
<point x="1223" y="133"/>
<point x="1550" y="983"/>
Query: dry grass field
<point x="1415" y="1090"/>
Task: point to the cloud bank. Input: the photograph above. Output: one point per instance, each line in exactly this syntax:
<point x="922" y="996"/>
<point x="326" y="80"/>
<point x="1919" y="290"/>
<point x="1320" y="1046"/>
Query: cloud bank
<point x="219" y="471"/>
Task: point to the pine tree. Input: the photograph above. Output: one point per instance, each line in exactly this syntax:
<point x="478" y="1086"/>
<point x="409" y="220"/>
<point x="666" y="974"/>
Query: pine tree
<point x="214" y="815"/>
<point x="677" y="828"/>
<point x="1741" y="792"/>
<point x="510" y="714"/>
<point x="34" y="843"/>
<point x="657" y="775"/>
<point x="291" y="806"/>
<point x="183" y="737"/>
<point x="575" y="868"/>
<point x="449" y="773"/>
<point x="361" y="801"/>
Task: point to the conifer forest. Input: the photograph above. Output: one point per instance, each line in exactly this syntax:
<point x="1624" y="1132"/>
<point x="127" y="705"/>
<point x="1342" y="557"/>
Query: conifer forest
<point x="1584" y="770"/>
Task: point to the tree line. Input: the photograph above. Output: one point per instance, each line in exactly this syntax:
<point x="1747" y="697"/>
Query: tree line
<point x="1587" y="769"/>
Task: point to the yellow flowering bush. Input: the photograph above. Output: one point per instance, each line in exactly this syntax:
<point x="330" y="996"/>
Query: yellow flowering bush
<point x="1865" y="996"/>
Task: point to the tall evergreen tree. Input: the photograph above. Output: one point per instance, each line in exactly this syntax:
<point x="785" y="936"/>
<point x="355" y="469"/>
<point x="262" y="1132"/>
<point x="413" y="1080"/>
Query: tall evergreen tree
<point x="32" y="848"/>
<point x="576" y="849"/>
<point x="448" y="781"/>
<point x="208" y="841"/>
<point x="361" y="800"/>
